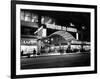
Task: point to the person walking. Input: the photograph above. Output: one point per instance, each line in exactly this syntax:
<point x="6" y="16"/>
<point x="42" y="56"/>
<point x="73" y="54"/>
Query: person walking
<point x="34" y="52"/>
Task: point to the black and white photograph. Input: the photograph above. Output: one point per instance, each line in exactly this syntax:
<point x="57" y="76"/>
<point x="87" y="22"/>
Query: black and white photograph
<point x="51" y="39"/>
<point x="55" y="39"/>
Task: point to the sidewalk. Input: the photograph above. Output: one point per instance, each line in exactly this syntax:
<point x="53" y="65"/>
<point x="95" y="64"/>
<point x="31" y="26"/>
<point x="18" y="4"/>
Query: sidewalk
<point x="53" y="54"/>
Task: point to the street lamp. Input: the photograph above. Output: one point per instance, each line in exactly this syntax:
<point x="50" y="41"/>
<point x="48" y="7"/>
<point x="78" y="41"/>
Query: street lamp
<point x="51" y="39"/>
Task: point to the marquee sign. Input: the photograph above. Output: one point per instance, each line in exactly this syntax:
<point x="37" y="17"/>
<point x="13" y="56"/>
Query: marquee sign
<point x="71" y="29"/>
<point x="28" y="42"/>
<point x="57" y="27"/>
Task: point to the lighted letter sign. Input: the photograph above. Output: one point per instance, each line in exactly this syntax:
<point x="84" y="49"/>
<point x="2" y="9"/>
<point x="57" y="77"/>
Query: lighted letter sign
<point x="71" y="29"/>
<point x="53" y="26"/>
<point x="28" y="42"/>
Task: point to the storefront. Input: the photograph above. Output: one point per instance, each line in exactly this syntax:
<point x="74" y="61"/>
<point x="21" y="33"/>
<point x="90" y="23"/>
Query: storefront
<point x="49" y="34"/>
<point x="28" y="46"/>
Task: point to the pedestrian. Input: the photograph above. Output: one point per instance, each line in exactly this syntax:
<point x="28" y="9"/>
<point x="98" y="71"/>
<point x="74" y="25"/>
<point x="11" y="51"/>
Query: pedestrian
<point x="34" y="51"/>
<point x="22" y="53"/>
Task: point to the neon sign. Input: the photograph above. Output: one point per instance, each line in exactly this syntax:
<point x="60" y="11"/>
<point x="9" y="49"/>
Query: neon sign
<point x="57" y="27"/>
<point x="71" y="29"/>
<point x="28" y="42"/>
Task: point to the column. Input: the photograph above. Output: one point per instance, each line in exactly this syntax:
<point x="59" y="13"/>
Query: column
<point x="77" y="36"/>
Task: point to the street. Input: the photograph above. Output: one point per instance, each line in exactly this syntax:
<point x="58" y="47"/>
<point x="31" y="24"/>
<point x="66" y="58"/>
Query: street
<point x="67" y="60"/>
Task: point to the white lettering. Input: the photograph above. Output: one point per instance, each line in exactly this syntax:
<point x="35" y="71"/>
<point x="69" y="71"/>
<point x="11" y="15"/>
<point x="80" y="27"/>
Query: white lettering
<point x="71" y="29"/>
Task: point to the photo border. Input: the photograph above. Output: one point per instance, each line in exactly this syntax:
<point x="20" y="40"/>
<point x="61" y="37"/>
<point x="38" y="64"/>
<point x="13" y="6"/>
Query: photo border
<point x="13" y="38"/>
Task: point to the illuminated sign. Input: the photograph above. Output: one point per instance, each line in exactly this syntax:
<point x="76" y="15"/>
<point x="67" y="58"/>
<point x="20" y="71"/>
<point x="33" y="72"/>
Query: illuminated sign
<point x="63" y="28"/>
<point x="57" y="27"/>
<point x="71" y="29"/>
<point x="52" y="26"/>
<point x="28" y="42"/>
<point x="76" y="42"/>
